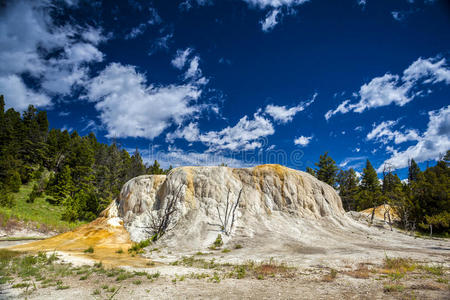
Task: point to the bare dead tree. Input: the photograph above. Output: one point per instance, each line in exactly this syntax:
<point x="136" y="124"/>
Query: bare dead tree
<point x="162" y="222"/>
<point x="230" y="212"/>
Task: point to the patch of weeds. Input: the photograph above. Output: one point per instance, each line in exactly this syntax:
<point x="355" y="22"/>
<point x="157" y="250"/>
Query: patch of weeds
<point x="240" y="272"/>
<point x="437" y="270"/>
<point x="98" y="265"/>
<point x="105" y="286"/>
<point x="198" y="275"/>
<point x="238" y="246"/>
<point x="362" y="272"/>
<point x="331" y="276"/>
<point x="397" y="275"/>
<point x="260" y="277"/>
<point x="215" y="278"/>
<point x="442" y="280"/>
<point x="226" y="250"/>
<point x="137" y="282"/>
<point x="154" y="275"/>
<point x="402" y="265"/>
<point x="62" y="287"/>
<point x="124" y="276"/>
<point x="120" y="251"/>
<point x="89" y="250"/>
<point x="389" y="288"/>
<point x="137" y="248"/>
<point x="84" y="277"/>
<point x="174" y="280"/>
<point x="200" y="253"/>
<point x="5" y="279"/>
<point x="140" y="273"/>
<point x="96" y="292"/>
<point x="112" y="289"/>
<point x="21" y="285"/>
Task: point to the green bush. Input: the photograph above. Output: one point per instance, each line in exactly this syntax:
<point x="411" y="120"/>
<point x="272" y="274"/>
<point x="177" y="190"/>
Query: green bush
<point x="14" y="182"/>
<point x="6" y="199"/>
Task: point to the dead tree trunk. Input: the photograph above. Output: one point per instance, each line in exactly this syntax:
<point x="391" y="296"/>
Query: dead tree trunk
<point x="162" y="221"/>
<point x="230" y="212"/>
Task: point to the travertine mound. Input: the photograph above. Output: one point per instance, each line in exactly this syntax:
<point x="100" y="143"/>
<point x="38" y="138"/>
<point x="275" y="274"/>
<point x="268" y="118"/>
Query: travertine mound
<point x="206" y="201"/>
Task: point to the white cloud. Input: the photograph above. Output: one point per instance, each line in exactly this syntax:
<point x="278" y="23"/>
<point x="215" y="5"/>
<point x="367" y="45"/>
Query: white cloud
<point x="180" y="59"/>
<point x="393" y="89"/>
<point x="433" y="143"/>
<point x="245" y="135"/>
<point x="352" y="162"/>
<point x="303" y="140"/>
<point x="282" y="114"/>
<point x="270" y="21"/>
<point x="28" y="36"/>
<point x="19" y="96"/>
<point x="193" y="72"/>
<point x="274" y="3"/>
<point x="384" y="134"/>
<point x="176" y="157"/>
<point x="129" y="107"/>
<point x="141" y="28"/>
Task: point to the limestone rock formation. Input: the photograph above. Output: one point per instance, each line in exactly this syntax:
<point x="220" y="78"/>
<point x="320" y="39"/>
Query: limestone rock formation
<point x="195" y="204"/>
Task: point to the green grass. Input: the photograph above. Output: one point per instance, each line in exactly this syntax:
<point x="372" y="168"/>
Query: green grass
<point x="40" y="211"/>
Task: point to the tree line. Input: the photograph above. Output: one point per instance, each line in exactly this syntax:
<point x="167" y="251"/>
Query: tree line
<point x="75" y="172"/>
<point x="422" y="202"/>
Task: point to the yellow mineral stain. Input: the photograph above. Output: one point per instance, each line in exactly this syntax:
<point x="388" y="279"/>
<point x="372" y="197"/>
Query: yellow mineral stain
<point x="190" y="189"/>
<point x="380" y="210"/>
<point x="106" y="240"/>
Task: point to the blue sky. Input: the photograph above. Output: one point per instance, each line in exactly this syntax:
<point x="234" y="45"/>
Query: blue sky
<point x="200" y="82"/>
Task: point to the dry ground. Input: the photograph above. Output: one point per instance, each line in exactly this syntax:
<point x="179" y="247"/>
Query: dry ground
<point x="374" y="268"/>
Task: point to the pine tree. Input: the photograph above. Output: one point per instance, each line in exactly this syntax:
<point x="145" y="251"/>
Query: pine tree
<point x="413" y="171"/>
<point x="370" y="191"/>
<point x="348" y="188"/>
<point x="155" y="169"/>
<point x="311" y="171"/>
<point x="327" y="169"/>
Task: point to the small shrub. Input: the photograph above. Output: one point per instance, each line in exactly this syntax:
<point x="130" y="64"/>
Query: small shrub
<point x="154" y="275"/>
<point x="84" y="277"/>
<point x="226" y="250"/>
<point x="120" y="251"/>
<point x="137" y="282"/>
<point x="89" y="250"/>
<point x="6" y="199"/>
<point x="105" y="287"/>
<point x="215" y="278"/>
<point x="218" y="242"/>
<point x="238" y="246"/>
<point x="393" y="288"/>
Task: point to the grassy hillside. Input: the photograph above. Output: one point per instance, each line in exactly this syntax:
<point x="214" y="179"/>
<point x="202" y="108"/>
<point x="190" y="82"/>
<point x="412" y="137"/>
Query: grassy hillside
<point x="39" y="215"/>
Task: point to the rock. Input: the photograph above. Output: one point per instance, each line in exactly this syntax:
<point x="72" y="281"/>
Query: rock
<point x="208" y="201"/>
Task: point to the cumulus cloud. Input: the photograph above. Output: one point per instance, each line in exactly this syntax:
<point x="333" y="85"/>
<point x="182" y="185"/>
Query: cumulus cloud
<point x="281" y="114"/>
<point x="383" y="133"/>
<point x="393" y="89"/>
<point x="303" y="140"/>
<point x="430" y="146"/>
<point x="129" y="107"/>
<point x="245" y="135"/>
<point x="57" y="57"/>
<point x="180" y="59"/>
<point x="19" y="96"/>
